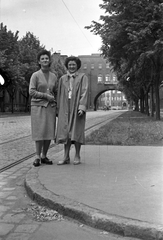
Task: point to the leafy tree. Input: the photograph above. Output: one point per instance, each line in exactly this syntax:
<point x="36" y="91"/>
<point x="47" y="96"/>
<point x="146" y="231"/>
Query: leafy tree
<point x="18" y="61"/>
<point x="29" y="46"/>
<point x="9" y="62"/>
<point x="128" y="29"/>
<point x="57" y="65"/>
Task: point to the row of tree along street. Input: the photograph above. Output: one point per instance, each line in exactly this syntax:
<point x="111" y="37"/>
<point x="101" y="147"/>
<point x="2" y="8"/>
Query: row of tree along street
<point x="132" y="41"/>
<point x="18" y="60"/>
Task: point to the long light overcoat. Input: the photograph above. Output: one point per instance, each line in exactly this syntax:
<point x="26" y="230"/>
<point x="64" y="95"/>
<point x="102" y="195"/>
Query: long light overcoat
<point x="71" y="125"/>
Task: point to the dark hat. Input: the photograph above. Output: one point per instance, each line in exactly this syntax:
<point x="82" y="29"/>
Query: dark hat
<point x="75" y="59"/>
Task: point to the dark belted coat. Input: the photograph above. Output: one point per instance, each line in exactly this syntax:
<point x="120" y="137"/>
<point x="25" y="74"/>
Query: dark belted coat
<point x="70" y="125"/>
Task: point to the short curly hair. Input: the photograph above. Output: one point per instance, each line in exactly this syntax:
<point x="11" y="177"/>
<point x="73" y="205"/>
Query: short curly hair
<point x="75" y="59"/>
<point x="43" y="52"/>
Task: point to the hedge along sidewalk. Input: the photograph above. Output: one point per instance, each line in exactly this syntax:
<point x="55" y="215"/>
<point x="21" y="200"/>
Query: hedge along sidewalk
<point x="129" y="129"/>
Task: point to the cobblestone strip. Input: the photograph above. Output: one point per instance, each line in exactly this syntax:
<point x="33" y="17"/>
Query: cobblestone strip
<point x="14" y="128"/>
<point x="15" y="223"/>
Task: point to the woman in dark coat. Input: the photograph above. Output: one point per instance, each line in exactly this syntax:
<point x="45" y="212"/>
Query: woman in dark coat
<point x="71" y="105"/>
<point x="43" y="92"/>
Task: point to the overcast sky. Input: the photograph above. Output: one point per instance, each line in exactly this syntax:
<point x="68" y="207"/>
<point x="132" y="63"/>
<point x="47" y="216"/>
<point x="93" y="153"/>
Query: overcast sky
<point x="58" y="24"/>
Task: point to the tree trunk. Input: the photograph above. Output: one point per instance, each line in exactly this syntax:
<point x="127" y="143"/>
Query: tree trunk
<point x="136" y="105"/>
<point x="146" y="104"/>
<point x="12" y="93"/>
<point x="142" y="101"/>
<point x="142" y="104"/>
<point x="3" y="100"/>
<point x="27" y="107"/>
<point x="157" y="98"/>
<point x="12" y="104"/>
<point x="152" y="105"/>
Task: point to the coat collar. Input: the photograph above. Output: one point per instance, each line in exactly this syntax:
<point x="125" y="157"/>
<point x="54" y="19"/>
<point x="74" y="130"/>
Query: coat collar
<point x="72" y="75"/>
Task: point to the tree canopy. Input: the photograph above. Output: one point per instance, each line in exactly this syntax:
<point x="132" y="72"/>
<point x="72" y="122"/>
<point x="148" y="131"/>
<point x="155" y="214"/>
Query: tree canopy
<point x="18" y="60"/>
<point x="132" y="40"/>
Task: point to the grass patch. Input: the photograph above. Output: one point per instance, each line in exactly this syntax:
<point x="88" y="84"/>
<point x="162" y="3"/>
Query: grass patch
<point x="130" y="128"/>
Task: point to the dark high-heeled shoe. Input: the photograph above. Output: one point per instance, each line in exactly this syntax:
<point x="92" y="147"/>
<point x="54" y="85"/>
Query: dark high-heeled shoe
<point x="36" y="162"/>
<point x="46" y="161"/>
<point x="63" y="162"/>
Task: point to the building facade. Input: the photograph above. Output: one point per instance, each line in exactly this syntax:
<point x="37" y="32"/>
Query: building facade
<point x="102" y="82"/>
<point x="113" y="99"/>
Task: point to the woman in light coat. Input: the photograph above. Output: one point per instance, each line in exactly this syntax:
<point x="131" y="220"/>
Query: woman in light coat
<point x="71" y="106"/>
<point x="43" y="92"/>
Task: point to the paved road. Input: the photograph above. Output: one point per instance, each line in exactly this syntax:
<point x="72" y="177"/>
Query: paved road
<point x="15" y="135"/>
<point x="20" y="218"/>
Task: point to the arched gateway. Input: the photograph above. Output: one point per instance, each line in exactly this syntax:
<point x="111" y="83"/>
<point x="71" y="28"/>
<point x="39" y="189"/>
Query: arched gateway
<point x="101" y="77"/>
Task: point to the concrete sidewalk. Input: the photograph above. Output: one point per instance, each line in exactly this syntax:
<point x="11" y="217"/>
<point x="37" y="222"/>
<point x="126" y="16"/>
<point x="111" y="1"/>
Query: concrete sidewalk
<point x="116" y="188"/>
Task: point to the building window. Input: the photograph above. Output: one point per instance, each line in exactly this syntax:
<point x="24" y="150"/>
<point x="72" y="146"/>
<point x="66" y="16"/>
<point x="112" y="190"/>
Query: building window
<point x="100" y="65"/>
<point x="114" y="78"/>
<point x="107" y="78"/>
<point x="124" y="98"/>
<point x="85" y="66"/>
<point x="99" y="79"/>
<point x="107" y="65"/>
<point x="92" y="66"/>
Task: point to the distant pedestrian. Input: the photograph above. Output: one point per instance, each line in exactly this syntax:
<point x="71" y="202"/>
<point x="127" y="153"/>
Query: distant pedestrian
<point x="71" y="105"/>
<point x="43" y="92"/>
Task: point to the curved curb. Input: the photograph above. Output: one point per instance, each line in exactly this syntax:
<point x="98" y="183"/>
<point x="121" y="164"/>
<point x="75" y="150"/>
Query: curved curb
<point x="90" y="216"/>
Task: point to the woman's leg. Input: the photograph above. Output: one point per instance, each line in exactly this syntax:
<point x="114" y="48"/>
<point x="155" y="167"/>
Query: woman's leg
<point x="46" y="144"/>
<point x="66" y="159"/>
<point x="39" y="145"/>
<point x="77" y="153"/>
<point x="67" y="149"/>
<point x="44" y="159"/>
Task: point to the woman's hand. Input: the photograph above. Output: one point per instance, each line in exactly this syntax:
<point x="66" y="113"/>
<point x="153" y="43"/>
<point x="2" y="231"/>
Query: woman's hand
<point x="50" y="98"/>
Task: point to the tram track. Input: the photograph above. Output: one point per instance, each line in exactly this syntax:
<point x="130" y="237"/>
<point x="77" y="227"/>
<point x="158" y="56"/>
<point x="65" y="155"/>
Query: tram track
<point x="15" y="139"/>
<point x="3" y="169"/>
<point x="88" y="131"/>
<point x="20" y="161"/>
